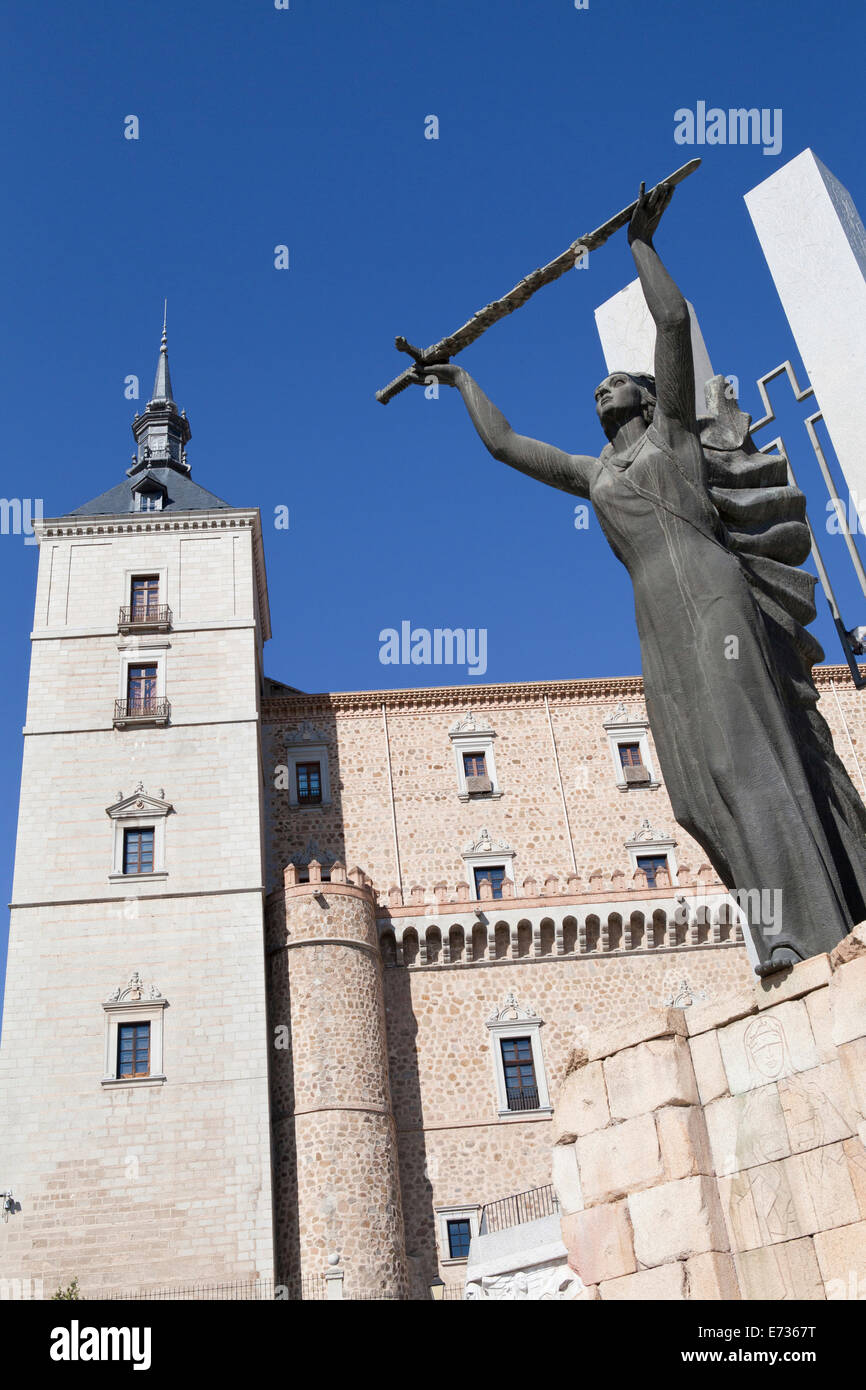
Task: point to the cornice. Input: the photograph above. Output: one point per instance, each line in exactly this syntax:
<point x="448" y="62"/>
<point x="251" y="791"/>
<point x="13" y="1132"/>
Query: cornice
<point x="278" y="708"/>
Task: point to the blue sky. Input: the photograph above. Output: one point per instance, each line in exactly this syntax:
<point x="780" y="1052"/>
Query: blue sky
<point x="305" y="127"/>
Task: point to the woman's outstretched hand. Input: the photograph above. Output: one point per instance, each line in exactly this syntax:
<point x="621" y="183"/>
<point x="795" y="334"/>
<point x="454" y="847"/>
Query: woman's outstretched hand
<point x="648" y="213"/>
<point x="446" y="373"/>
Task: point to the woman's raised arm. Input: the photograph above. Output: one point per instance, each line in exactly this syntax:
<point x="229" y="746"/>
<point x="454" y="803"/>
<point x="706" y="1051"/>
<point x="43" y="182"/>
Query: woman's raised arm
<point x="568" y="472"/>
<point x="674" y="366"/>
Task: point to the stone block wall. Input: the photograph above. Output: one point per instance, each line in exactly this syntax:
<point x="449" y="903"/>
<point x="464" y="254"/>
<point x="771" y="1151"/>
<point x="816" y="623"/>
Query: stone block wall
<point x="719" y="1151"/>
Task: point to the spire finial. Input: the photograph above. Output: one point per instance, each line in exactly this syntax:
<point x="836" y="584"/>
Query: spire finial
<point x="162" y="384"/>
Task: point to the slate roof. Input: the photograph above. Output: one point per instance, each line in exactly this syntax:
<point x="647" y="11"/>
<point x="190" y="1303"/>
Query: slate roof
<point x="182" y="495"/>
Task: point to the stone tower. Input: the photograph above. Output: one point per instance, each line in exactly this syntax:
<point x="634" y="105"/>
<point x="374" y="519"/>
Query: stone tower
<point x="337" y="1186"/>
<point x="133" y="1073"/>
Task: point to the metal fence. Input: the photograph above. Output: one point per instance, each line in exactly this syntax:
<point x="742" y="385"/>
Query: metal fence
<point x="310" y="1288"/>
<point x="522" y="1207"/>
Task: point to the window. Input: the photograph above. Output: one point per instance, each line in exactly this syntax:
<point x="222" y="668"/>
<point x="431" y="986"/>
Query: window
<point x="134" y="1034"/>
<point x="138" y="851"/>
<point x="133" y="1049"/>
<point x="495" y="873"/>
<point x="520" y="1087"/>
<point x="629" y="755"/>
<point x="309" y="782"/>
<point x="141" y="684"/>
<point x="488" y="858"/>
<point x="145" y="597"/>
<point x="475" y="760"/>
<point x="459" y="1238"/>
<point x="305" y="774"/>
<point x="518" y="1060"/>
<point x="149" y="500"/>
<point x="474" y="765"/>
<point x="652" y="849"/>
<point x="651" y="863"/>
<point x="457" y="1227"/>
<point x="628" y="736"/>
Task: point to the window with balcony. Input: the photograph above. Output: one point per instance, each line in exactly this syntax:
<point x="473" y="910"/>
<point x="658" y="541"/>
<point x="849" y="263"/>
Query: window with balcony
<point x="133" y="1049"/>
<point x="141" y="689"/>
<point x="309" y="783"/>
<point x="138" y="846"/>
<point x="144" y="596"/>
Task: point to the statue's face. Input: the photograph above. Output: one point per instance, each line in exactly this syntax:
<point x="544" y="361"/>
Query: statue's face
<point x="617" y="399"/>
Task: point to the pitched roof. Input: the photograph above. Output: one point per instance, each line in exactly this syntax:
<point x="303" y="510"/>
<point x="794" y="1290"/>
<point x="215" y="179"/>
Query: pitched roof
<point x="182" y="495"/>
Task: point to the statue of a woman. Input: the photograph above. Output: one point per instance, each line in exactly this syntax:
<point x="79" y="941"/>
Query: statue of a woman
<point x="711" y="535"/>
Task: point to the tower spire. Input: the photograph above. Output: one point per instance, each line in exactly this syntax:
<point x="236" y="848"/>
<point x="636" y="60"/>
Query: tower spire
<point x="162" y="381"/>
<point x="161" y="433"/>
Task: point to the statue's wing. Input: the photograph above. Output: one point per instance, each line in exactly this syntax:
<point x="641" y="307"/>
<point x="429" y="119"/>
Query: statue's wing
<point x="764" y="518"/>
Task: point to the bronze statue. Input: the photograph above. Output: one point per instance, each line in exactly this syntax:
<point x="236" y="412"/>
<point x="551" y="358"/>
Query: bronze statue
<point x="712" y="534"/>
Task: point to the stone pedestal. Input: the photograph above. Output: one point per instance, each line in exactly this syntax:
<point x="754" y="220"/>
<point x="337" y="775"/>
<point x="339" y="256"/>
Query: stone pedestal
<point x="717" y="1152"/>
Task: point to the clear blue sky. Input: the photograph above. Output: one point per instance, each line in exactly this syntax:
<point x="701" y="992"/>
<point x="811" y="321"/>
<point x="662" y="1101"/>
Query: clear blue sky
<point x="306" y="127"/>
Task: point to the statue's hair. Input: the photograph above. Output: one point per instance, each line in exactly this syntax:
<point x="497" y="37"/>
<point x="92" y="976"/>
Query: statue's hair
<point x="647" y="384"/>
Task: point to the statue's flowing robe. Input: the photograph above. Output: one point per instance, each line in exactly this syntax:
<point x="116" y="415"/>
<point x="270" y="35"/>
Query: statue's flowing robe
<point x="721" y="607"/>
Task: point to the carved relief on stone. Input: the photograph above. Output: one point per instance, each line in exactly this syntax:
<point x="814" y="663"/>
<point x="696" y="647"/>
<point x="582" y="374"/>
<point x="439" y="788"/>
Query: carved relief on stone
<point x="133" y="990"/>
<point x="543" y="1284"/>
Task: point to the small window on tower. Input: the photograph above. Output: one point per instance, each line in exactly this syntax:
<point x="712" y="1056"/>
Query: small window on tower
<point x="149" y="500"/>
<point x="138" y="851"/>
<point x="133" y="1049"/>
<point x="309" y="783"/>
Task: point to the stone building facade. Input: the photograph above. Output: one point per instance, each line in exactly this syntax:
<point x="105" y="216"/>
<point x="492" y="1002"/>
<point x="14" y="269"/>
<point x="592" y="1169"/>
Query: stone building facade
<point x="360" y="934"/>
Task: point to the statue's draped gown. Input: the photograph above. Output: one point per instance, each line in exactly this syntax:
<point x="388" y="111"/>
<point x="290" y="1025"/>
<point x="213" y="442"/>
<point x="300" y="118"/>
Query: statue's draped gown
<point x="721" y="609"/>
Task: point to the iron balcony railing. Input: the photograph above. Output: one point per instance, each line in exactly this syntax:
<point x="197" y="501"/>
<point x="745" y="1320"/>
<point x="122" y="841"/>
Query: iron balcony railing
<point x="517" y="1210"/>
<point x="526" y="1098"/>
<point x="145" y="615"/>
<point x="144" y="707"/>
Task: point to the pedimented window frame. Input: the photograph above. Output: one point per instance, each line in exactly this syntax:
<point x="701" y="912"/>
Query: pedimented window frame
<point x="511" y="1021"/>
<point x="473" y="735"/>
<point x="623" y="726"/>
<point x="307" y="744"/>
<point x="645" y="841"/>
<point x="486" y="853"/>
<point x="134" y="1002"/>
<point x="139" y="812"/>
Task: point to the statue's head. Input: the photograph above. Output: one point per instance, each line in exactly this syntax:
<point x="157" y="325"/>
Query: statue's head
<point x="623" y="396"/>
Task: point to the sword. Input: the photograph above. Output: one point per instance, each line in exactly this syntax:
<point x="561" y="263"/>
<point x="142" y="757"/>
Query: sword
<point x="446" y="348"/>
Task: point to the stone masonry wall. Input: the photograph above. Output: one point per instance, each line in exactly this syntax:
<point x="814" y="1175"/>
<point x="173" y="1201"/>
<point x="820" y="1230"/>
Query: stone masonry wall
<point x="335" y="1151"/>
<point x="717" y="1152"/>
<point x="434" y="826"/>
<point x="455" y="1149"/>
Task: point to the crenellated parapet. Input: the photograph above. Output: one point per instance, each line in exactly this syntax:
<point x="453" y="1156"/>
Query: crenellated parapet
<point x="608" y="913"/>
